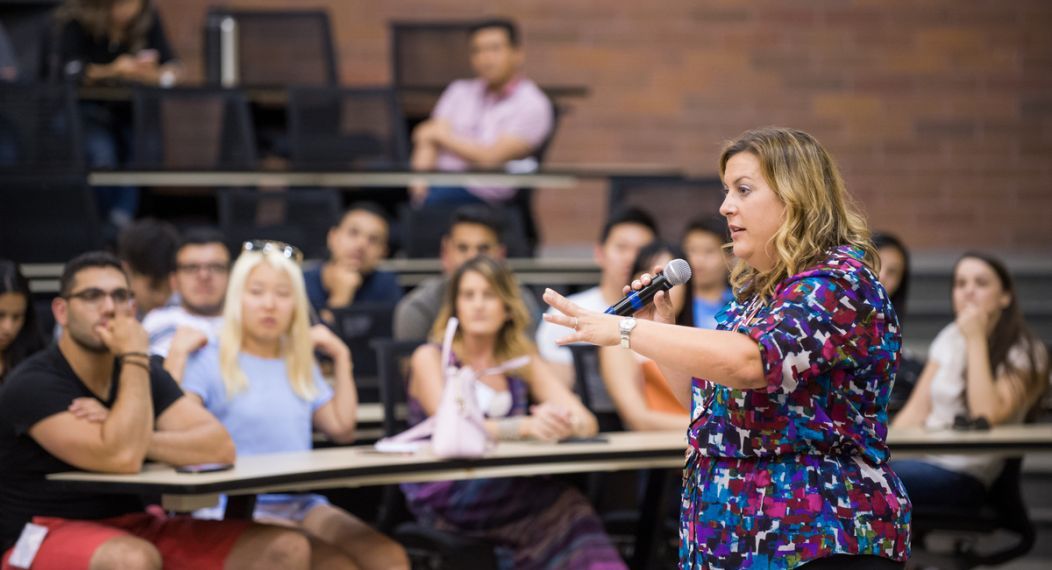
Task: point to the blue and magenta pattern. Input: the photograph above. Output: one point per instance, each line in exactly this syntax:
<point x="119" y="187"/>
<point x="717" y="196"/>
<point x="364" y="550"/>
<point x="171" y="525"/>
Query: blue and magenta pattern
<point x="798" y="471"/>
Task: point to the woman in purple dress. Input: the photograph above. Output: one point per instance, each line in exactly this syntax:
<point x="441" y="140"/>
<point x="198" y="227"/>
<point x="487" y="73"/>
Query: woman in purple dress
<point x="787" y="458"/>
<point x="534" y="522"/>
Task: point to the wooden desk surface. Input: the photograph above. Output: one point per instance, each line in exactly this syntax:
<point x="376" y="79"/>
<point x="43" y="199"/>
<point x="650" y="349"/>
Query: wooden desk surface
<point x="362" y="466"/>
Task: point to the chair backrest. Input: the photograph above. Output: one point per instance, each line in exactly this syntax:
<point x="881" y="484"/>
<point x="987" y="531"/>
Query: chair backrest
<point x="589" y="386"/>
<point x="423" y="229"/>
<point x="672" y="200"/>
<point x="48" y="218"/>
<point x="392" y="357"/>
<point x="334" y="128"/>
<point x="40" y="130"/>
<point x="192" y="128"/>
<point x="358" y="325"/>
<point x="299" y="216"/>
<point x="429" y="55"/>
<point x="273" y="48"/>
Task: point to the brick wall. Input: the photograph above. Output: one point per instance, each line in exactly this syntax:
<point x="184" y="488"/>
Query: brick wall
<point x="939" y="111"/>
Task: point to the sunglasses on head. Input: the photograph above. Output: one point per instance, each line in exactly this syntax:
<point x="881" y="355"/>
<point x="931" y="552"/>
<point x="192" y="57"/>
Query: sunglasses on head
<point x="265" y="245"/>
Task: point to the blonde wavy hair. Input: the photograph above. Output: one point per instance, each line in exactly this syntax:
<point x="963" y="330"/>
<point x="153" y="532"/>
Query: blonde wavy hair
<point x="296" y="348"/>
<point x="512" y="340"/>
<point x="819" y="212"/>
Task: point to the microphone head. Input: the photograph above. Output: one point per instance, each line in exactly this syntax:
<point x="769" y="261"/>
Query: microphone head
<point x="677" y="271"/>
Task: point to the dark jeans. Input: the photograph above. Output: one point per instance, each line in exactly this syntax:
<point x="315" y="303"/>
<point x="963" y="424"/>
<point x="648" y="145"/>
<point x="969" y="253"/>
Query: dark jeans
<point x="107" y="142"/>
<point x="450" y="196"/>
<point x="853" y="561"/>
<point x="932" y="486"/>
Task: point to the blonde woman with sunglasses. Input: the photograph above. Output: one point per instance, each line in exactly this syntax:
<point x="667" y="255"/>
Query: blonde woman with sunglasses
<point x="262" y="382"/>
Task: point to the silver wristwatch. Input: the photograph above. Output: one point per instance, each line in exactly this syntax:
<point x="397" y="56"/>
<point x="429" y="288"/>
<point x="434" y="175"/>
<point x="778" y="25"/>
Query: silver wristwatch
<point x="625" y="327"/>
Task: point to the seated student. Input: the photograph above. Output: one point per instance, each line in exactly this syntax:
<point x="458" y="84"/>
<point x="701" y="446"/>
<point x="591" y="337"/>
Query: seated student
<point x="642" y="396"/>
<point x="147" y="248"/>
<point x="262" y="382"/>
<point x="894" y="275"/>
<point x="202" y="267"/>
<point x="101" y="357"/>
<point x="20" y="335"/>
<point x="534" y="522"/>
<point x="474" y="230"/>
<point x="113" y="41"/>
<point x="357" y="244"/>
<point x="986" y="364"/>
<point x="623" y="234"/>
<point x="485" y="122"/>
<point x="704" y="243"/>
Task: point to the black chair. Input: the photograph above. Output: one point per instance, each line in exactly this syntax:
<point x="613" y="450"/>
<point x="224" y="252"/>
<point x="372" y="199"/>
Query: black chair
<point x="48" y="218"/>
<point x="1003" y="509"/>
<point x="358" y="325"/>
<point x="427" y="547"/>
<point x="671" y="200"/>
<point x="299" y="216"/>
<point x="40" y="130"/>
<point x="423" y="229"/>
<point x="274" y="48"/>
<point x="427" y="56"/>
<point x="346" y="129"/>
<point x="192" y="129"/>
<point x="589" y="386"/>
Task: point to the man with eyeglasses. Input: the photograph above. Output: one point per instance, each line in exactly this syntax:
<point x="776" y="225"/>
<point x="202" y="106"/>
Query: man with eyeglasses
<point x="96" y="401"/>
<point x="202" y="269"/>
<point x="475" y="230"/>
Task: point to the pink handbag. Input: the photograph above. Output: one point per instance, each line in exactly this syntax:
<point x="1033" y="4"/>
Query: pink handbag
<point x="457" y="429"/>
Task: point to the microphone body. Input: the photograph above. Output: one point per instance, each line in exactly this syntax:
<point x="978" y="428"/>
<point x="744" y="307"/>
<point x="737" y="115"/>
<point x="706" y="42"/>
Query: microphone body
<point x="677" y="272"/>
<point x="636" y="300"/>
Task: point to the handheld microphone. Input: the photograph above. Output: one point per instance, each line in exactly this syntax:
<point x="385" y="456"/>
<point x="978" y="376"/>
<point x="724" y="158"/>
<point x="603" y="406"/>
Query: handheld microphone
<point x="677" y="272"/>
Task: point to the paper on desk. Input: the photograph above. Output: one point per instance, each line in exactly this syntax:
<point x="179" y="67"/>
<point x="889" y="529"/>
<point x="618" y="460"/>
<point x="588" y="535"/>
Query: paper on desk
<point x="388" y="446"/>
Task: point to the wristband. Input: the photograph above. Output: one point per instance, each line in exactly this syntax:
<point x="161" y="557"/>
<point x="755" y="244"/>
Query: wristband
<point x="145" y="355"/>
<point x="145" y="366"/>
<point x="508" y="429"/>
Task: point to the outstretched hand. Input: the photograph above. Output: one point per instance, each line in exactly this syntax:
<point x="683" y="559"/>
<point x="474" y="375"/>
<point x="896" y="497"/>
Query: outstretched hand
<point x="588" y="326"/>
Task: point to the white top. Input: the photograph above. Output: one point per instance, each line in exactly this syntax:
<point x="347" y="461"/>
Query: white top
<point x="948" y="400"/>
<point x="547" y="333"/>
<point x="162" y="323"/>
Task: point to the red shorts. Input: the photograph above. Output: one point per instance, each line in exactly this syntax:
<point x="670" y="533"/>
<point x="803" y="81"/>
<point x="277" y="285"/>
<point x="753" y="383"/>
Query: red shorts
<point x="182" y="541"/>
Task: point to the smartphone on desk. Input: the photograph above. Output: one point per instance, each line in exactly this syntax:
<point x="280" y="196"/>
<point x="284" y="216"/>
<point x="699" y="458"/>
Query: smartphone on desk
<point x="204" y="468"/>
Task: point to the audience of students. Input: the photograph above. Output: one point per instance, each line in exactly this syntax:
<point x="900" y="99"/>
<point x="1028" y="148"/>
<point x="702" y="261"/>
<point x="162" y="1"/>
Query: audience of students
<point x="101" y="359"/>
<point x="20" y="336"/>
<point x="474" y="230"/>
<point x="984" y="366"/>
<point x="357" y="245"/>
<point x="622" y="236"/>
<point x="262" y="382"/>
<point x="146" y="249"/>
<point x="202" y="268"/>
<point x="704" y="242"/>
<point x="534" y="522"/>
<point x="483" y="123"/>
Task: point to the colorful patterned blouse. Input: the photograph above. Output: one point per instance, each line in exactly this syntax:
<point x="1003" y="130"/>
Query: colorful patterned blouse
<point x="780" y="476"/>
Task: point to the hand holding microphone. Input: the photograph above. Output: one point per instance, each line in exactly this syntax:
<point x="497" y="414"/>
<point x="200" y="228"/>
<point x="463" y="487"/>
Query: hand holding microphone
<point x="602" y="328"/>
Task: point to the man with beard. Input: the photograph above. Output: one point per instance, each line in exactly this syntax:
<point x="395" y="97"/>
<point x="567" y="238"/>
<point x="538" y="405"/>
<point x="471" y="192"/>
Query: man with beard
<point x="96" y="401"/>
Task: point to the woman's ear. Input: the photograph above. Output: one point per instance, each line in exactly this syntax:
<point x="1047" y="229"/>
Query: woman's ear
<point x="1006" y="300"/>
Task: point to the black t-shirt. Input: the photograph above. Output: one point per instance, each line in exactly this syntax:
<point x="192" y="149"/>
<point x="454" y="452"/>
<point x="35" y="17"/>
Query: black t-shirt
<point x="77" y="45"/>
<point x="42" y="386"/>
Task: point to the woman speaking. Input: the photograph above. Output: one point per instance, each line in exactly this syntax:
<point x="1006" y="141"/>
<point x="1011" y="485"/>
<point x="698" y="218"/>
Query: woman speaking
<point x="787" y="460"/>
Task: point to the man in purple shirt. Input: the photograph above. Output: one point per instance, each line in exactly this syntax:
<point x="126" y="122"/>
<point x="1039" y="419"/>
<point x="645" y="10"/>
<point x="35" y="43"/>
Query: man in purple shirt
<point x="483" y="123"/>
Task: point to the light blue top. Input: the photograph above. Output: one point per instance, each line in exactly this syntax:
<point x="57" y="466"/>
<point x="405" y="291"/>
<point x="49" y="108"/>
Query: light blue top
<point x="705" y="311"/>
<point x="267" y="416"/>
